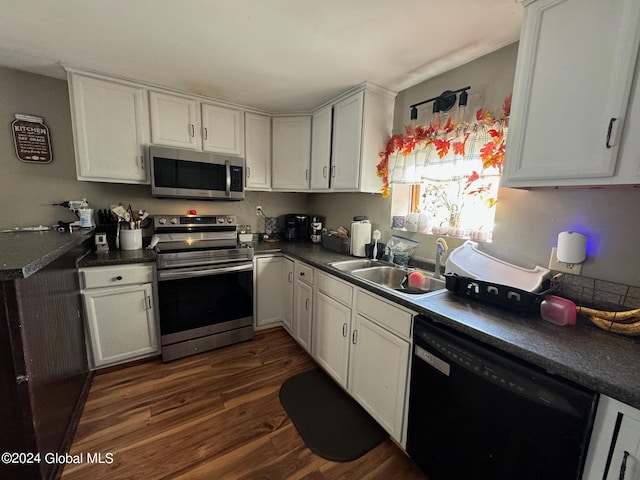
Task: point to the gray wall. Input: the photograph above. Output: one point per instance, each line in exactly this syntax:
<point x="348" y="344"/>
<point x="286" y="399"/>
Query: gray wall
<point x="527" y="222"/>
<point x="27" y="190"/>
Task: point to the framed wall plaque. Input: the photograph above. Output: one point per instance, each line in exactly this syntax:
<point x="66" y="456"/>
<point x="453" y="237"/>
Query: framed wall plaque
<point x="31" y="139"/>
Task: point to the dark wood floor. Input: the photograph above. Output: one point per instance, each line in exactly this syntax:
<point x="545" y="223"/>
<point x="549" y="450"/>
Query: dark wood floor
<point x="215" y="415"/>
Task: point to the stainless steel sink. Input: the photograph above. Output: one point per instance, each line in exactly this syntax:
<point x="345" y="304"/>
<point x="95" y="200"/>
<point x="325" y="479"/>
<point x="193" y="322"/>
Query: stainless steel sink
<point x="348" y="265"/>
<point x="392" y="277"/>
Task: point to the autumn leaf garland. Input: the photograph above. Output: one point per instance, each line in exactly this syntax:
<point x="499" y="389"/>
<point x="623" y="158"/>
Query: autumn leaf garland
<point x="491" y="153"/>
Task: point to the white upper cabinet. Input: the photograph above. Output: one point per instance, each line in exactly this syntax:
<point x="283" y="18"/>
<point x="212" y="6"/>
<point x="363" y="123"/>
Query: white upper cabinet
<point x="347" y="143"/>
<point x="183" y="121"/>
<point x="257" y="151"/>
<point x="110" y="129"/>
<point x="574" y="75"/>
<point x="321" y="148"/>
<point x="291" y="149"/>
<point x="347" y="137"/>
<point x="222" y="130"/>
<point x="174" y="120"/>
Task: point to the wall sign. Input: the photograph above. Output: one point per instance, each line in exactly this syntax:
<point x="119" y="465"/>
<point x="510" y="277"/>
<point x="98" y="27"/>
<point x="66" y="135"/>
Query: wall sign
<point x="31" y="139"/>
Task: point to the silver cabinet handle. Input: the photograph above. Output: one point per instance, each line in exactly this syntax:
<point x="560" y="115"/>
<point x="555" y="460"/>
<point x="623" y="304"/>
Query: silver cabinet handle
<point x="306" y="304"/>
<point x="333" y="171"/>
<point x="248" y="172"/>
<point x="306" y="174"/>
<point x="206" y="133"/>
<point x="142" y="162"/>
<point x="354" y="337"/>
<point x="324" y="172"/>
<point x="290" y="277"/>
<point x="344" y="329"/>
<point x="193" y="129"/>
<point x="147" y="303"/>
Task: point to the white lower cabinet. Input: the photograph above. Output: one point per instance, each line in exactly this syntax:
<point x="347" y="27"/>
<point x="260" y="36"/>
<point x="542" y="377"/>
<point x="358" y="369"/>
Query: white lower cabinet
<point x="302" y="304"/>
<point x="268" y="291"/>
<point x="614" y="451"/>
<point x="331" y="329"/>
<point x="363" y="342"/>
<point x="287" y="294"/>
<point x="379" y="372"/>
<point x="120" y="308"/>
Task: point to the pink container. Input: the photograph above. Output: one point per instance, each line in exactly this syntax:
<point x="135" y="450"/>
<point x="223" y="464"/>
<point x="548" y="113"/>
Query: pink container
<point x="558" y="310"/>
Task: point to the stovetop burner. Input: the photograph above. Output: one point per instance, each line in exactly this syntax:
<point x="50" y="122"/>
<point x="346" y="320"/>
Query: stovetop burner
<point x="198" y="240"/>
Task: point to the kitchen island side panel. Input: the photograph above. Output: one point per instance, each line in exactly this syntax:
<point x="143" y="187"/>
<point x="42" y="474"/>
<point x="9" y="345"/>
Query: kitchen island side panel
<point x="46" y="334"/>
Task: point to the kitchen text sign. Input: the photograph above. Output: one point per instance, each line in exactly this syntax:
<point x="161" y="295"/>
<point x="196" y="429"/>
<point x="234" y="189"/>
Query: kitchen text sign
<point x="31" y="139"/>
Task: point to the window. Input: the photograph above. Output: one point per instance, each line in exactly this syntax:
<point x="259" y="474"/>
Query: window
<point x="445" y="176"/>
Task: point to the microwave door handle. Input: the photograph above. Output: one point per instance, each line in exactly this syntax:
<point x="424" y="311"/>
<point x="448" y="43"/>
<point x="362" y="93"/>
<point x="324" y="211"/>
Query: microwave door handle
<point x="227" y="165"/>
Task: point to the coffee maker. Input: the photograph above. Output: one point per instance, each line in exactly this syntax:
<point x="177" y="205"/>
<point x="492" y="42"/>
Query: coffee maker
<point x="296" y="227"/>
<point x="317" y="222"/>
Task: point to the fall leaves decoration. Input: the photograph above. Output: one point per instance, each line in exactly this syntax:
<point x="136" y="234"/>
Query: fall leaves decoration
<point x="491" y="153"/>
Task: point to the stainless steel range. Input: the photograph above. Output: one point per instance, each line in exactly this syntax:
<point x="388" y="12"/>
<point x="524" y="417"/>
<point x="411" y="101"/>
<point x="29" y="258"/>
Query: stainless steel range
<point x="205" y="284"/>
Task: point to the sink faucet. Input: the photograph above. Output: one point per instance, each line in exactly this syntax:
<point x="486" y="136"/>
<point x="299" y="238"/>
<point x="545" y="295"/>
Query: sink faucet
<point x="441" y="247"/>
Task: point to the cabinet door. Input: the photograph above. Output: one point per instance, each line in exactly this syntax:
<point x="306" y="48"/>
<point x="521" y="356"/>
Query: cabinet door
<point x="574" y="73"/>
<point x="303" y="315"/>
<point x="222" y="130"/>
<point x="291" y="153"/>
<point x="331" y="329"/>
<point x="321" y="148"/>
<point x="347" y="143"/>
<point x="379" y="372"/>
<point x="287" y="294"/>
<point x="121" y="323"/>
<point x="257" y="151"/>
<point x="175" y="120"/>
<point x="614" y="449"/>
<point x="110" y="126"/>
<point x="269" y="291"/>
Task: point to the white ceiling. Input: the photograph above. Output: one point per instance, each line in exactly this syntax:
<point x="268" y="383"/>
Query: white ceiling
<point x="273" y="55"/>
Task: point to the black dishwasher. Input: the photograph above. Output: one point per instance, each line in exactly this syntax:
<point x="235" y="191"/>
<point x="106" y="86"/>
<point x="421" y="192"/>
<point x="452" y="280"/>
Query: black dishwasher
<point x="475" y="413"/>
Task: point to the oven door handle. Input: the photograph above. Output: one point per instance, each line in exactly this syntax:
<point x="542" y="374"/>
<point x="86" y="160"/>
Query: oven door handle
<point x="201" y="272"/>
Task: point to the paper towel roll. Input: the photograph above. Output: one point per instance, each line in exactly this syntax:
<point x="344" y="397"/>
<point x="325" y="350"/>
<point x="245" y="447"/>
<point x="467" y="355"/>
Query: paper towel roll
<point x="360" y="236"/>
<point x="572" y="247"/>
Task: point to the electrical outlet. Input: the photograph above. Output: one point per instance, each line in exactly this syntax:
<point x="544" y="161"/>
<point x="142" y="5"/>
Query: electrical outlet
<point x="558" y="266"/>
<point x="258" y="210"/>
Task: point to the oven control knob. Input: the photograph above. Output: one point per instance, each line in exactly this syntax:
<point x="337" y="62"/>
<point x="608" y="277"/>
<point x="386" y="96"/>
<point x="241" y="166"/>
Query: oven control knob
<point x="173" y="221"/>
<point x="220" y="219"/>
<point x="162" y="220"/>
<point x="230" y="219"/>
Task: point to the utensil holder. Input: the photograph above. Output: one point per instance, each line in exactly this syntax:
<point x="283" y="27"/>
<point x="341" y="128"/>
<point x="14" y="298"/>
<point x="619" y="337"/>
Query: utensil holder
<point x="131" y="239"/>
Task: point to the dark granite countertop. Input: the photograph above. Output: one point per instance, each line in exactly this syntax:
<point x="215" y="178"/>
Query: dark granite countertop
<point x="117" y="257"/>
<point x="603" y="362"/>
<point x="24" y="253"/>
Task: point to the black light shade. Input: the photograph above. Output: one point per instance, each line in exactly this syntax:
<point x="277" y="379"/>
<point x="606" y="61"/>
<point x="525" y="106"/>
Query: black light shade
<point x="463" y="98"/>
<point x="442" y="103"/>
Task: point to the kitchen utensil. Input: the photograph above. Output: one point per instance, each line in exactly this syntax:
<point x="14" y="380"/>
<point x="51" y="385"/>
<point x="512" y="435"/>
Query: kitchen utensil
<point x="120" y="212"/>
<point x="376" y="237"/>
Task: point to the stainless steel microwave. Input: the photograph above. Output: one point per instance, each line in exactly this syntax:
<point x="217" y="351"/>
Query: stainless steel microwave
<point x="180" y="173"/>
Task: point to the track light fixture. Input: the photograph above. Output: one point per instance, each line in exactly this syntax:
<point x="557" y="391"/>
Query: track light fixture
<point x="444" y="102"/>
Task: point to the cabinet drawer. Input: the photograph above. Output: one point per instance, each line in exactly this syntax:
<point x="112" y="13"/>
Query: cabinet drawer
<point x="303" y="272"/>
<point x="383" y="313"/>
<point x="97" y="277"/>
<point x="337" y="289"/>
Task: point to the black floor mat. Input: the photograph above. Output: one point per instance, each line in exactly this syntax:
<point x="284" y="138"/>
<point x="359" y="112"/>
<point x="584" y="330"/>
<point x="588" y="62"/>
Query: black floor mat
<point x="330" y="422"/>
